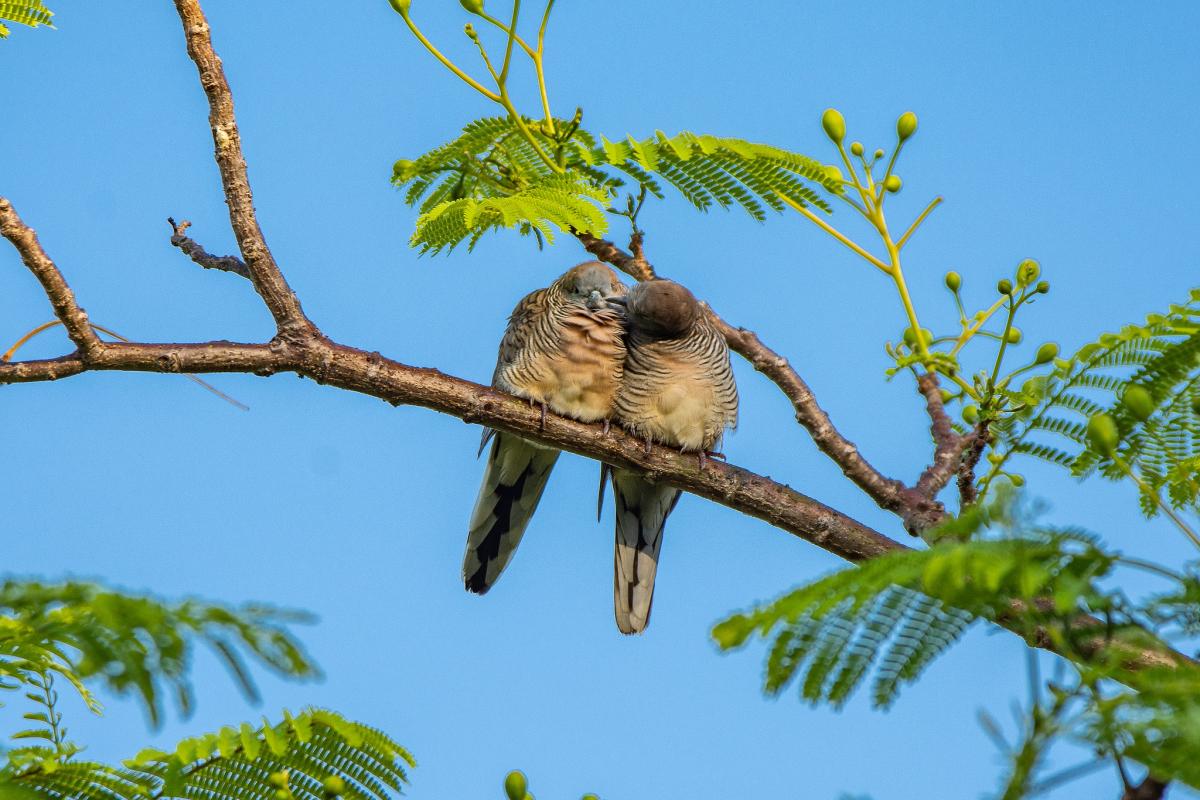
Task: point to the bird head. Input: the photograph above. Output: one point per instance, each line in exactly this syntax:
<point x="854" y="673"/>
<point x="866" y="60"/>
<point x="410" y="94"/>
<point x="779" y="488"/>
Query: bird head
<point x="662" y="308"/>
<point x="591" y="284"/>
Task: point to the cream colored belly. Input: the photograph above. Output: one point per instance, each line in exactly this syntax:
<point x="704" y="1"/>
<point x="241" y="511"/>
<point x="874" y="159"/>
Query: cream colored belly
<point x="574" y="391"/>
<point x="682" y="413"/>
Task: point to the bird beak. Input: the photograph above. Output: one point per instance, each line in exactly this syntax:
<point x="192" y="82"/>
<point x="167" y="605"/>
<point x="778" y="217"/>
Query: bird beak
<point x="595" y="300"/>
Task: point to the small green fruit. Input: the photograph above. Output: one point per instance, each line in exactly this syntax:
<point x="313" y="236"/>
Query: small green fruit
<point x="515" y="785"/>
<point x="1102" y="433"/>
<point x="1014" y="335"/>
<point x="401" y="6"/>
<point x="1139" y="402"/>
<point x="953" y="281"/>
<point x="473" y="6"/>
<point x="1028" y="272"/>
<point x="878" y="154"/>
<point x="1004" y="287"/>
<point x="334" y="784"/>
<point x="947" y="396"/>
<point x="856" y="148"/>
<point x="906" y="126"/>
<point x="1043" y="287"/>
<point x="970" y="414"/>
<point x="834" y="124"/>
<point x="1046" y="353"/>
<point x="834" y="173"/>
<point x="893" y="183"/>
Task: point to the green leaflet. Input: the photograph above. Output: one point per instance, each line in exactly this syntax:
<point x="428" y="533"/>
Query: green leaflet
<point x="1162" y="357"/>
<point x="25" y="12"/>
<point x="492" y="177"/>
<point x="298" y="755"/>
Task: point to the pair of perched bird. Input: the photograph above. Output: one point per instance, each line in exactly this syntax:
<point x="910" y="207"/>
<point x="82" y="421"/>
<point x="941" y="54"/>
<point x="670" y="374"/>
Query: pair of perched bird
<point x="588" y="348"/>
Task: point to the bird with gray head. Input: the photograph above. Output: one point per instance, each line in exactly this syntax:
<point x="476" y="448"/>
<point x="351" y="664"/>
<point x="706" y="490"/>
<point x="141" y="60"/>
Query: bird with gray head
<point x="678" y="390"/>
<point x="564" y="350"/>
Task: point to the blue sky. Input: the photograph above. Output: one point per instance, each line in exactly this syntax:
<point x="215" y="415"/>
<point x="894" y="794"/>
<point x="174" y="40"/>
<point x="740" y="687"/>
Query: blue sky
<point x="1063" y="132"/>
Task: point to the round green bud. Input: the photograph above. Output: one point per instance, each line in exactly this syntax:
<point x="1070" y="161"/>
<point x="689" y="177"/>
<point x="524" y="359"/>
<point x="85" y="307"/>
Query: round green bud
<point x="906" y="126"/>
<point x="1004" y="287"/>
<point x="590" y="797"/>
<point x="334" y="784"/>
<point x="1139" y="402"/>
<point x="278" y="779"/>
<point x="401" y="169"/>
<point x="947" y="396"/>
<point x="910" y="338"/>
<point x="1016" y="480"/>
<point x="834" y="124"/>
<point x="856" y="148"/>
<point x="834" y="173"/>
<point x="879" y="154"/>
<point x="1028" y="272"/>
<point x="401" y="6"/>
<point x="473" y="6"/>
<point x="970" y="414"/>
<point x="1014" y="335"/>
<point x="1043" y="287"/>
<point x="284" y="794"/>
<point x="893" y="183"/>
<point x="1102" y="433"/>
<point x="953" y="281"/>
<point x="1046" y="353"/>
<point x="995" y="458"/>
<point x="515" y="785"/>
<point x="469" y="30"/>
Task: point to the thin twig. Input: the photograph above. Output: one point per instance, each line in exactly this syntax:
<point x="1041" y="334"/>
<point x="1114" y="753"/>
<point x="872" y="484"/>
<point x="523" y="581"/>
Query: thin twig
<point x="195" y="252"/>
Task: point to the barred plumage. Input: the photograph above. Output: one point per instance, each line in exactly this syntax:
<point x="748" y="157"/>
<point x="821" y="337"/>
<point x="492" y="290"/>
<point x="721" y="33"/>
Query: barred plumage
<point x="563" y="349"/>
<point x="678" y="390"/>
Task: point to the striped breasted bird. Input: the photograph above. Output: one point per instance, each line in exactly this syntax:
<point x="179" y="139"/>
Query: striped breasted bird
<point x="678" y="390"/>
<point x="564" y="350"/>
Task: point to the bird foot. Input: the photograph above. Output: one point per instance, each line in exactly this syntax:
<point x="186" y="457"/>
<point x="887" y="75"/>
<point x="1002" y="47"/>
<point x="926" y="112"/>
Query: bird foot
<point x="649" y="445"/>
<point x="542" y="423"/>
<point x="606" y="426"/>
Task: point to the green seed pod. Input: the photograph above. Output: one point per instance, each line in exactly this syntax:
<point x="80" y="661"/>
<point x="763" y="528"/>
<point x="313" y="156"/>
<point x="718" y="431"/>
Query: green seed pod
<point x="834" y="124"/>
<point x="335" y="785"/>
<point x="1016" y="480"/>
<point x="893" y="183"/>
<point x="1014" y="335"/>
<point x="1139" y="402"/>
<point x="473" y="6"/>
<point x="906" y="126"/>
<point x="278" y="779"/>
<point x="515" y="785"/>
<point x="1043" y="287"/>
<point x="970" y="414"/>
<point x="953" y="281"/>
<point x="1046" y="353"/>
<point x="401" y="6"/>
<point x="1004" y="287"/>
<point x="1028" y="272"/>
<point x="834" y="173"/>
<point x="1102" y="433"/>
<point x="878" y="154"/>
<point x="856" y="148"/>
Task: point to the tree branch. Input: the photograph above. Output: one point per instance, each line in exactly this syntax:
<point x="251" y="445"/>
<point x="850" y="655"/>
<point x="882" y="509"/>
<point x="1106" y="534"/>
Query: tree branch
<point x="62" y="299"/>
<point x="948" y="446"/>
<point x="264" y="272"/>
<point x="192" y="249"/>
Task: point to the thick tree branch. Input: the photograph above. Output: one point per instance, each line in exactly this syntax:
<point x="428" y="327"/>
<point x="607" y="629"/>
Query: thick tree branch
<point x="264" y="272"/>
<point x="192" y="249"/>
<point x="62" y="299"/>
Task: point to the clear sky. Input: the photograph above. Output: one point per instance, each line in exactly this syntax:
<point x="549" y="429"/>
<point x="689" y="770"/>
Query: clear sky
<point x="1061" y="131"/>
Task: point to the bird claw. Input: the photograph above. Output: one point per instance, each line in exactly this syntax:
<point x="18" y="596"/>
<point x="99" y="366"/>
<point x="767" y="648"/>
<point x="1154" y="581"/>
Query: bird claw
<point x="606" y="426"/>
<point x="649" y="446"/>
<point x="542" y="424"/>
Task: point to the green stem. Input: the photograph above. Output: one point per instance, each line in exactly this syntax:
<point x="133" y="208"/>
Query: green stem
<point x="1012" y="312"/>
<point x="538" y="65"/>
<point x="450" y="65"/>
<point x="1158" y="501"/>
<point x="512" y="35"/>
<point x="917" y="222"/>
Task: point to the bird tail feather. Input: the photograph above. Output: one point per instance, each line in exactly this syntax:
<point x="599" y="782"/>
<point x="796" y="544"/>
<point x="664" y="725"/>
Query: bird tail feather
<point x="642" y="511"/>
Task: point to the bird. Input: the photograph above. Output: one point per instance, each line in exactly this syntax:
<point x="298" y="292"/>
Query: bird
<point x="678" y="389"/>
<point x="564" y="350"/>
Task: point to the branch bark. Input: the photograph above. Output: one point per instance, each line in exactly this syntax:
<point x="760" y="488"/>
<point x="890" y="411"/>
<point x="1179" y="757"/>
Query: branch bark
<point x="193" y="250"/>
